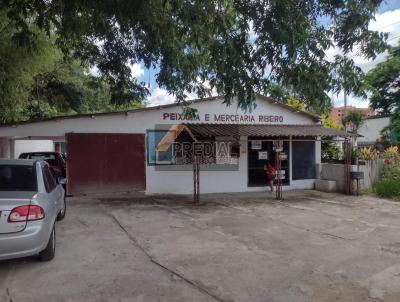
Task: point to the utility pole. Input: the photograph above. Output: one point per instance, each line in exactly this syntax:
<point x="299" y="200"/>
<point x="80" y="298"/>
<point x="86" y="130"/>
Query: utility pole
<point x="345" y="108"/>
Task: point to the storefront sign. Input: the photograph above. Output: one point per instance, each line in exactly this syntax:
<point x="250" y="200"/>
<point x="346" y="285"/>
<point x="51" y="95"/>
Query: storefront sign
<point x="224" y="118"/>
<point x="256" y="145"/>
<point x="262" y="155"/>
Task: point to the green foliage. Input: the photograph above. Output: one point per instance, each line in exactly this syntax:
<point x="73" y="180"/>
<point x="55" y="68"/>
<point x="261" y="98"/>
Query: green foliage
<point x="328" y="122"/>
<point x="36" y="82"/>
<point x="384" y="83"/>
<point x="194" y="41"/>
<point x="353" y="121"/>
<point x="368" y="154"/>
<point x="18" y="65"/>
<point x="295" y="103"/>
<point x="330" y="151"/>
<point x="39" y="109"/>
<point x="388" y="185"/>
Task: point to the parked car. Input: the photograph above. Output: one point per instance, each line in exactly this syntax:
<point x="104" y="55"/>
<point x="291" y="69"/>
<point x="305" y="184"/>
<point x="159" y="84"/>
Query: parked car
<point x="58" y="161"/>
<point x="31" y="201"/>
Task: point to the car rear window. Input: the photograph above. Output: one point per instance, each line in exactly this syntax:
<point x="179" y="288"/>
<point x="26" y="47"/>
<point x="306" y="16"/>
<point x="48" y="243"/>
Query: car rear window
<point x="17" y="178"/>
<point x="50" y="158"/>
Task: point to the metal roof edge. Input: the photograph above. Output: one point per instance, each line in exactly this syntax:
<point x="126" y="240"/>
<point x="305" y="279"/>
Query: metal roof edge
<point x="213" y="98"/>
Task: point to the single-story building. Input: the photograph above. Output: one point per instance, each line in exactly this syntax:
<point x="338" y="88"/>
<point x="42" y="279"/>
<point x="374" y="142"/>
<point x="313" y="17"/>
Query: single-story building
<point x="120" y="151"/>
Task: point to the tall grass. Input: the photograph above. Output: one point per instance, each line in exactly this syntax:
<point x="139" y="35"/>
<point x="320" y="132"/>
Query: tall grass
<point x="388" y="184"/>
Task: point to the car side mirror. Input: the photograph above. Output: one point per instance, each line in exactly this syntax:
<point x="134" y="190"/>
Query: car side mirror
<point x="61" y="180"/>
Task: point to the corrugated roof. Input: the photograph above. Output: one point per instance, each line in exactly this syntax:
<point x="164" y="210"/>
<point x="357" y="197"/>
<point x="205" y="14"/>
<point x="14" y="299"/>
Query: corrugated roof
<point x="236" y="130"/>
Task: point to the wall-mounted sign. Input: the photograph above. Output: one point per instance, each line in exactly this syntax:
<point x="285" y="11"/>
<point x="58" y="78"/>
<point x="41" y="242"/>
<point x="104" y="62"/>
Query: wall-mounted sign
<point x="224" y="118"/>
<point x="262" y="155"/>
<point x="283" y="156"/>
<point x="256" y="145"/>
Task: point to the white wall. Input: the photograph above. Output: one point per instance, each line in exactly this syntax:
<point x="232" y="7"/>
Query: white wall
<point x="21" y="146"/>
<point x="371" y="129"/>
<point x="181" y="182"/>
<point x="140" y="120"/>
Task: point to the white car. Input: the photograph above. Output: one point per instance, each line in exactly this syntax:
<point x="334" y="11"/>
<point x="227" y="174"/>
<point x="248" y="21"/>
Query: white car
<point x="31" y="201"/>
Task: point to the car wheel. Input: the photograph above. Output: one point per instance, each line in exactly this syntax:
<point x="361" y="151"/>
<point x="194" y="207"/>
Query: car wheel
<point x="50" y="251"/>
<point x="62" y="213"/>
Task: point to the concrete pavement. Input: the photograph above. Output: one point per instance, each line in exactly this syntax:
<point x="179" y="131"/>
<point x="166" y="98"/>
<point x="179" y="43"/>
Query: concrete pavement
<point x="234" y="247"/>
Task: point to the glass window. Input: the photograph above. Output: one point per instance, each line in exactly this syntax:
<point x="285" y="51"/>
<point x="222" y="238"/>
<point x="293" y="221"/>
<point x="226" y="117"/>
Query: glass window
<point x="50" y="158"/>
<point x="49" y="180"/>
<point x="303" y="160"/>
<point x="18" y="178"/>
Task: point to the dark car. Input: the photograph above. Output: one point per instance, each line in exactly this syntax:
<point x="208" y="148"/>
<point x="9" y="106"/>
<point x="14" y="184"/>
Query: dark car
<point x="54" y="159"/>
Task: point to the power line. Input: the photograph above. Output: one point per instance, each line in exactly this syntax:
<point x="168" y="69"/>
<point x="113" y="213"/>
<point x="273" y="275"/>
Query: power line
<point x="387" y="26"/>
<point x="393" y="38"/>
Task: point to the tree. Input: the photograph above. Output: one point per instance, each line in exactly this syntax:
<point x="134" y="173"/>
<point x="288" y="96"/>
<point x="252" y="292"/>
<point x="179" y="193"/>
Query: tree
<point x="384" y="83"/>
<point x="18" y="65"/>
<point x="353" y="121"/>
<point x="330" y="150"/>
<point x="36" y="82"/>
<point x="236" y="47"/>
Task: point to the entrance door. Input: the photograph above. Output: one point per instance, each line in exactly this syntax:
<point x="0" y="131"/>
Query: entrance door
<point x="259" y="152"/>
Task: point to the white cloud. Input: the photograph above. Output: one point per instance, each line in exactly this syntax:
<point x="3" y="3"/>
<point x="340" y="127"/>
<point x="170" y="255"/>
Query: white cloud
<point x="136" y="70"/>
<point x="338" y="100"/>
<point x="160" y="96"/>
<point x="94" y="71"/>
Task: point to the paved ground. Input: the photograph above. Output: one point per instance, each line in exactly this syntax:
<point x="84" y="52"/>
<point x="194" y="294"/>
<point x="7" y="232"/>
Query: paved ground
<point x="235" y="247"/>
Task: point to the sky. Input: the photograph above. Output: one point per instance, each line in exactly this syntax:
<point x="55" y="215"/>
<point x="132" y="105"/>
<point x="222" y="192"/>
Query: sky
<point x="387" y="20"/>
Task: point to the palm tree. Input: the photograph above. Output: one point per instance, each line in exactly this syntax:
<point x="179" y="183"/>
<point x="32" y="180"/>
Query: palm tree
<point x="353" y="121"/>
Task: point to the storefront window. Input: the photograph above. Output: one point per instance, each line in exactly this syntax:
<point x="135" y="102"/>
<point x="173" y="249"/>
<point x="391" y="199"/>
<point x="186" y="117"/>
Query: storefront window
<point x="303" y="160"/>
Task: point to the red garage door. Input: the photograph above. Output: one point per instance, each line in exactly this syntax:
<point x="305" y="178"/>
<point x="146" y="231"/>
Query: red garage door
<point x="99" y="162"/>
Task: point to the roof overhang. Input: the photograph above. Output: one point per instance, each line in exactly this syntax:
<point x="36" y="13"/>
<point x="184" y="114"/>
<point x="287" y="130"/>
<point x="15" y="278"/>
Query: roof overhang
<point x="237" y="130"/>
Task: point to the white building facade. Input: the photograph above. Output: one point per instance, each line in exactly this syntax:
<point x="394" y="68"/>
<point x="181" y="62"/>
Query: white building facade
<point x="303" y="150"/>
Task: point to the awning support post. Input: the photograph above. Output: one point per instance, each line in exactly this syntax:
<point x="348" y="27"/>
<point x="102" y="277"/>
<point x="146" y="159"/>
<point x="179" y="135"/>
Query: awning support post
<point x="196" y="179"/>
<point x="278" y="145"/>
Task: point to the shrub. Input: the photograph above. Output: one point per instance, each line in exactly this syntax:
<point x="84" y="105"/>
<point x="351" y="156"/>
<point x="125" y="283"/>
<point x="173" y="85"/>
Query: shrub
<point x="368" y="154"/>
<point x="391" y="155"/>
<point x="330" y="151"/>
<point x="388" y="185"/>
<point x="387" y="188"/>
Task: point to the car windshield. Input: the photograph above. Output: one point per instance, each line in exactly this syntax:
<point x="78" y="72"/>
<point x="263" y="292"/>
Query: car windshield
<point x="17" y="178"/>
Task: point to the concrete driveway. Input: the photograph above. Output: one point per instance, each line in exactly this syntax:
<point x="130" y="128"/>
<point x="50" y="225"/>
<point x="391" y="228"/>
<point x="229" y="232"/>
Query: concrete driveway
<point x="234" y="247"/>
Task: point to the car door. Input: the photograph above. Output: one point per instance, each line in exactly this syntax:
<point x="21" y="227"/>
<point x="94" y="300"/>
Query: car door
<point x="59" y="189"/>
<point x="53" y="191"/>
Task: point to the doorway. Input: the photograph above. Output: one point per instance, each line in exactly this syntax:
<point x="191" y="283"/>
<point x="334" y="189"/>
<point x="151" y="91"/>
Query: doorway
<point x="259" y="152"/>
